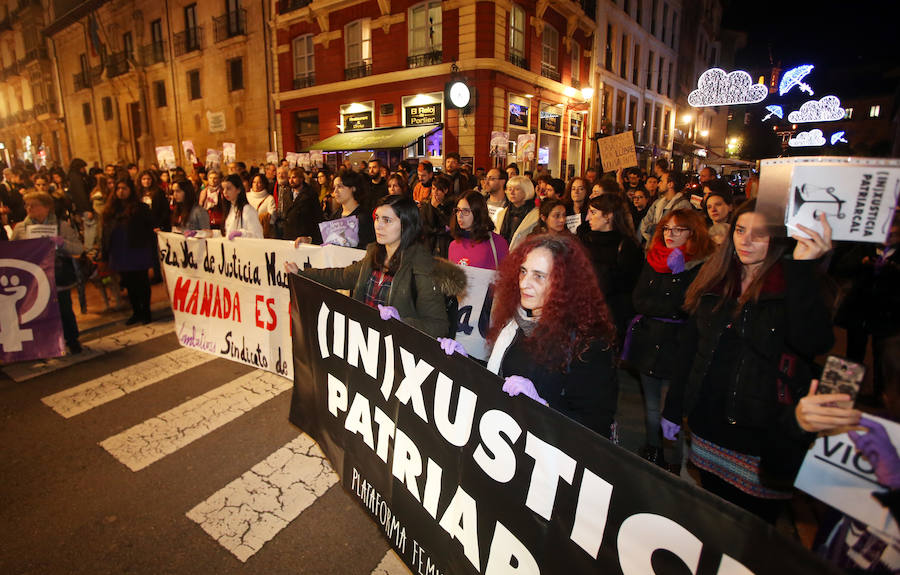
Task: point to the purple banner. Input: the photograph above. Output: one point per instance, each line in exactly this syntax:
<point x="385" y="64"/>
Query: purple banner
<point x="30" y="326"/>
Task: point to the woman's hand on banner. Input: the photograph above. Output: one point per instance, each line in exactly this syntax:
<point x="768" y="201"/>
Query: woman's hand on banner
<point x="516" y="384"/>
<point x="234" y="234"/>
<point x="189" y="233"/>
<point x="817" y="413"/>
<point x="302" y="240"/>
<point x="669" y="430"/>
<point x="876" y="446"/>
<point x="388" y="311"/>
<point x="291" y="268"/>
<point x="451" y="346"/>
<point x="816" y="245"/>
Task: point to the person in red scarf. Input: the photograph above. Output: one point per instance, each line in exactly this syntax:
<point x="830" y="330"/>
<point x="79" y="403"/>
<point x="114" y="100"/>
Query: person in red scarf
<point x="679" y="245"/>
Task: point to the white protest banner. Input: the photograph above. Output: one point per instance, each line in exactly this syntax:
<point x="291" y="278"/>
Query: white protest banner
<point x="272" y="158"/>
<point x="316" y="159"/>
<point x="230" y="298"/>
<point x="165" y="157"/>
<point x="857" y="195"/>
<point x="474" y="315"/>
<point x="836" y="473"/>
<point x="41" y="231"/>
<point x="190" y="155"/>
<point x="292" y="157"/>
<point x="229" y="152"/>
<point x="617" y="151"/>
<point x="525" y="144"/>
<point x="499" y="144"/>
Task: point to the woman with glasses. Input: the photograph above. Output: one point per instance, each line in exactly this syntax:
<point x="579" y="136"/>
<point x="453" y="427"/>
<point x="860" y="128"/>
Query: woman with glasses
<point x="474" y="241"/>
<point x="397" y="275"/>
<point x="678" y="247"/>
<point x="672" y="199"/>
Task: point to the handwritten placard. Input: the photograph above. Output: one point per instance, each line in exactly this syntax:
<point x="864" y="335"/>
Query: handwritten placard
<point x="617" y="151"/>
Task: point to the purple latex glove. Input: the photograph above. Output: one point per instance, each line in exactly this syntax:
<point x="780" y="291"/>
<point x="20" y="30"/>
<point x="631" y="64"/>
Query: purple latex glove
<point x="451" y="345"/>
<point x="669" y="430"/>
<point x="388" y="311"/>
<point x="58" y="241"/>
<point x="876" y="446"/>
<point x="675" y="261"/>
<point x="516" y="384"/>
<point x="235" y="234"/>
<point x="190" y="233"/>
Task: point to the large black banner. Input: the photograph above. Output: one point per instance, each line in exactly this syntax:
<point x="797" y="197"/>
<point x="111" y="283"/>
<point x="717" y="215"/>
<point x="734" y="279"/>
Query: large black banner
<point x="465" y="479"/>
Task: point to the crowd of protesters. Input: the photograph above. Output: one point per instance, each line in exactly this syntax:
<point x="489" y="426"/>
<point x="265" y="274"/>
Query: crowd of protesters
<point x="676" y="280"/>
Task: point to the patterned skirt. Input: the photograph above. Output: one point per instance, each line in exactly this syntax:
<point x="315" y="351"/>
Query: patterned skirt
<point x="738" y="469"/>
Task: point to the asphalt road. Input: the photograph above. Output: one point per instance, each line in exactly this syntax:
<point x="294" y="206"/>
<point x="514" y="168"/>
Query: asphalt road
<point x="148" y="458"/>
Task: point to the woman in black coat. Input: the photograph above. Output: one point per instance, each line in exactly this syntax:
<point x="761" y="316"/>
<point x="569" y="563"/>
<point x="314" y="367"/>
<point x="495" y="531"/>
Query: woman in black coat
<point x="609" y="237"/>
<point x="678" y="247"/>
<point x="757" y="320"/>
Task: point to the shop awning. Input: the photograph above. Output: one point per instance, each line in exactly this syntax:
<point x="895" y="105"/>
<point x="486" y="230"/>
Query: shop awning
<point x="380" y="139"/>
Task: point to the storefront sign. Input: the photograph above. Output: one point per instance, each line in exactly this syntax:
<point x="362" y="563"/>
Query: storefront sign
<point x="358" y="121"/>
<point x="518" y="115"/>
<point x="422" y="115"/>
<point x="575" y="122"/>
<point x="550" y="121"/>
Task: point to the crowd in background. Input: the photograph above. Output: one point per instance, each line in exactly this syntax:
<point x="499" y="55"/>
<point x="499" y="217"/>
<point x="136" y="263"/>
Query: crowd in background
<point x="676" y="280"/>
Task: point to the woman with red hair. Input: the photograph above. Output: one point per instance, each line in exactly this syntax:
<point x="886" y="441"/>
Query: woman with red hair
<point x="679" y="245"/>
<point x="551" y="332"/>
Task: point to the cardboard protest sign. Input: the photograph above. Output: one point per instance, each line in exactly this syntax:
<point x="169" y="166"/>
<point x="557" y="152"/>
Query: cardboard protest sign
<point x="341" y="232"/>
<point x="525" y="144"/>
<point x="165" y="157"/>
<point x="473" y="314"/>
<point x="617" y="151"/>
<point x="41" y="231"/>
<point x="230" y="298"/>
<point x="499" y="144"/>
<point x="30" y="326"/>
<point x="857" y="195"/>
<point x="464" y="479"/>
<point x="292" y="158"/>
<point x="836" y="473"/>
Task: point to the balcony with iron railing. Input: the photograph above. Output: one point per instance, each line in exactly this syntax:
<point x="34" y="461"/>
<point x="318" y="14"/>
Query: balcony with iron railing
<point x="425" y="59"/>
<point x="518" y="60"/>
<point x="550" y="72"/>
<point x="360" y="70"/>
<point x="285" y="6"/>
<point x="153" y="53"/>
<point x="230" y="25"/>
<point x="117" y="64"/>
<point x="190" y="40"/>
<point x="45" y="107"/>
<point x="304" y="81"/>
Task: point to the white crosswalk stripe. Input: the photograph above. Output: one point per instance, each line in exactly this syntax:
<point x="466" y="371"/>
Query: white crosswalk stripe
<point x="168" y="432"/>
<point x="391" y="564"/>
<point x="27" y="370"/>
<point x="251" y="510"/>
<point x="88" y="395"/>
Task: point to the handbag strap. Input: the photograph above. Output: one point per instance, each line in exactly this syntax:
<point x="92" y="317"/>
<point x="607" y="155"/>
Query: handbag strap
<point x="494" y="250"/>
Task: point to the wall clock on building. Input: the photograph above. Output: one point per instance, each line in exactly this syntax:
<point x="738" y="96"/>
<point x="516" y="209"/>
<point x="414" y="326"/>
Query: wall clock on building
<point x="459" y="94"/>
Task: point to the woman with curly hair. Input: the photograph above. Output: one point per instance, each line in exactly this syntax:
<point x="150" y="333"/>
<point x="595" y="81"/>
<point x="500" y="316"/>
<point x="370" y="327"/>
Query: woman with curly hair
<point x="552" y="335"/>
<point x="552" y="218"/>
<point x="474" y="241"/>
<point x="397" y="185"/>
<point x="679" y="245"/>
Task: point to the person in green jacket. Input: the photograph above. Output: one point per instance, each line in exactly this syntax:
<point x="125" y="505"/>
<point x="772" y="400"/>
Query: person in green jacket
<point x="396" y="275"/>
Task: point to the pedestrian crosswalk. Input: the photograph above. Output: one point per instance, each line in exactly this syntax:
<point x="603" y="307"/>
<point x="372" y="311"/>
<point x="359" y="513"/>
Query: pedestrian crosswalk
<point x="248" y="511"/>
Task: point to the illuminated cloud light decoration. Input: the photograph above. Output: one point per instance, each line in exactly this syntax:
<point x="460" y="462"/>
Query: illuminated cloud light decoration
<point x="811" y="138"/>
<point x="828" y="109"/>
<point x="838" y="137"/>
<point x="794" y="77"/>
<point x="716" y="87"/>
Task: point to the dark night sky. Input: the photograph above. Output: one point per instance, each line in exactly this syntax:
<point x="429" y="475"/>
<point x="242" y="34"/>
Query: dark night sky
<point x="851" y="43"/>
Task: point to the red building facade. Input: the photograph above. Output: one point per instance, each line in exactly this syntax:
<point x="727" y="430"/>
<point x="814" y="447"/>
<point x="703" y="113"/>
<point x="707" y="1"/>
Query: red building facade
<point x="346" y="66"/>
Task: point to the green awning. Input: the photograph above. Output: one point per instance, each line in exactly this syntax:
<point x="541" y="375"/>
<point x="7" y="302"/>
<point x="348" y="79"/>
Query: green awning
<point x="380" y="139"/>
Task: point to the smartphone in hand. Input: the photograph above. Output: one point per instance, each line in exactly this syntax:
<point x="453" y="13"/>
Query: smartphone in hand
<point x="841" y="376"/>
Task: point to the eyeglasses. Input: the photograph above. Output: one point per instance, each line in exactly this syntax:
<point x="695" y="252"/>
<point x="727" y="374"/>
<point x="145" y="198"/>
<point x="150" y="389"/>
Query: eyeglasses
<point x="675" y="231"/>
<point x="463" y="211"/>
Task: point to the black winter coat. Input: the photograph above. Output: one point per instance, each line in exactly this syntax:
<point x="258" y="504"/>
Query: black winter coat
<point x="587" y="393"/>
<point x="301" y="215"/>
<point x="654" y="346"/>
<point x="749" y="370"/>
